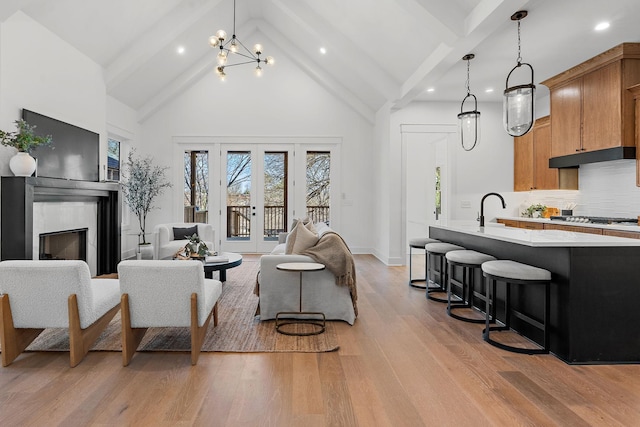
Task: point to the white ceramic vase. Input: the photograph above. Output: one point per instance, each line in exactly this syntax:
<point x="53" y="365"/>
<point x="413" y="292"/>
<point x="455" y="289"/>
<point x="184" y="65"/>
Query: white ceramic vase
<point x="22" y="164"/>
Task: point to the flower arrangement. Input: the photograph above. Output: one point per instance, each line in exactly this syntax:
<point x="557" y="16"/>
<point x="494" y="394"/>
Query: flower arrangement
<point x="196" y="248"/>
<point x="25" y="138"/>
<point x="141" y="184"/>
<point x="534" y="211"/>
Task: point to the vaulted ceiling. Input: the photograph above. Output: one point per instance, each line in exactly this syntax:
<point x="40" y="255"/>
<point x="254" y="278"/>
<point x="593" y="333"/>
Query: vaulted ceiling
<point x="378" y="51"/>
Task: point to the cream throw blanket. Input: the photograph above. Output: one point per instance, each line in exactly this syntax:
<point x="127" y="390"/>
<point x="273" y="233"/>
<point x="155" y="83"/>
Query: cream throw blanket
<point x="332" y="251"/>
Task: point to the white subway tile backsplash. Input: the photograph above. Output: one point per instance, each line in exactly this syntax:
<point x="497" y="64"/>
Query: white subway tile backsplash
<point x="609" y="189"/>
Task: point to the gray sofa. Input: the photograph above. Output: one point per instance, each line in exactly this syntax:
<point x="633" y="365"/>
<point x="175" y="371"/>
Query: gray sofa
<point x="279" y="290"/>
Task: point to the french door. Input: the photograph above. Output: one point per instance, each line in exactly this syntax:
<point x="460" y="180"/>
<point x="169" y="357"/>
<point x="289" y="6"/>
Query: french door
<point x="256" y="204"/>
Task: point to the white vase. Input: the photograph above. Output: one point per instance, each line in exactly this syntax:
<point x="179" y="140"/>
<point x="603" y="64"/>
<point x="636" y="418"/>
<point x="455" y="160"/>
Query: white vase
<point x="22" y="164"/>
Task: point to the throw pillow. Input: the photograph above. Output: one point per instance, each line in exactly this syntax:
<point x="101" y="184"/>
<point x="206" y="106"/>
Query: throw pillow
<point x="184" y="233"/>
<point x="291" y="238"/>
<point x="311" y="228"/>
<point x="305" y="239"/>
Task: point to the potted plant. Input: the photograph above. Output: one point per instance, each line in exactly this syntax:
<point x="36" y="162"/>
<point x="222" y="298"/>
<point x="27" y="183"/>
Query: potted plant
<point x="196" y="248"/>
<point x="141" y="183"/>
<point x="22" y="164"/>
<point x="535" y="211"/>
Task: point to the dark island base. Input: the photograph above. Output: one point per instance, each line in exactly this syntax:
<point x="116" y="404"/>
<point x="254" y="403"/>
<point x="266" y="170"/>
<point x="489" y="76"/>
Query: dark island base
<point x="594" y="296"/>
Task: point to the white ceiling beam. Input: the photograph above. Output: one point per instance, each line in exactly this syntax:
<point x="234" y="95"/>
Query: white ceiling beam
<point x="340" y="46"/>
<point x="162" y="34"/>
<point x="488" y="17"/>
<point x="448" y="13"/>
<point x="207" y="63"/>
<point x="9" y="7"/>
<point x="323" y="78"/>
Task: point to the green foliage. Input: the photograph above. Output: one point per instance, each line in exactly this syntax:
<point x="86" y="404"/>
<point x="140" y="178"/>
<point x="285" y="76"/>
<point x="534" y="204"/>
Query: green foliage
<point x="25" y="138"/>
<point x="531" y="209"/>
<point x="141" y="183"/>
<point x="196" y="247"/>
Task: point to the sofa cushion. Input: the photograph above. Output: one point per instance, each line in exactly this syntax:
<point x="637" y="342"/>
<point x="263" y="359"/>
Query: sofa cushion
<point x="184" y="233"/>
<point x="300" y="239"/>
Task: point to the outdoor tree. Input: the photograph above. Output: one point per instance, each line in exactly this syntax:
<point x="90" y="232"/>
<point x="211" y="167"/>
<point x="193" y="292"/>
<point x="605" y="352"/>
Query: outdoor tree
<point x="141" y="183"/>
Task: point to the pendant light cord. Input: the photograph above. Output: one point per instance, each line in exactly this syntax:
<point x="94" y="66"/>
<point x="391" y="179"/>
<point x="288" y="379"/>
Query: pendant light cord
<point x="234" y="19"/>
<point x="468" y="78"/>
<point x="519" y="60"/>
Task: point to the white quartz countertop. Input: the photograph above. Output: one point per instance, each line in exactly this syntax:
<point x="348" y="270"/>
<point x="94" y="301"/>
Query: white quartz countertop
<point x="625" y="227"/>
<point x="542" y="238"/>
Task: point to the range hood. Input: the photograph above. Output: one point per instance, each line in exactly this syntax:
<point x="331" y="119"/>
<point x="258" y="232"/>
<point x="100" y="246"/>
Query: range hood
<point x="575" y="160"/>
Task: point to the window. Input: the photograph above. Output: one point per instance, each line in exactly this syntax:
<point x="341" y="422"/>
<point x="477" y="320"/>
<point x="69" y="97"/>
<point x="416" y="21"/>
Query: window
<point x="196" y="186"/>
<point x="113" y="160"/>
<point x="318" y="185"/>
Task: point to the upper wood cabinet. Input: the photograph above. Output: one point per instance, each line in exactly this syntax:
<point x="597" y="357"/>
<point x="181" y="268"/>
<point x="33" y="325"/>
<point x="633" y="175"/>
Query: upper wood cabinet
<point x="531" y="153"/>
<point x="591" y="108"/>
<point x="635" y="91"/>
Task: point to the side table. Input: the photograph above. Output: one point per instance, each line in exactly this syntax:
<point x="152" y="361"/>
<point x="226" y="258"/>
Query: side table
<point x="318" y="325"/>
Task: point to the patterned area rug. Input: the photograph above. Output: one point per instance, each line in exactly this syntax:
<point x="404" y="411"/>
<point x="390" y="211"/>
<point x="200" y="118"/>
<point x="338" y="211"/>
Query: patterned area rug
<point x="238" y="330"/>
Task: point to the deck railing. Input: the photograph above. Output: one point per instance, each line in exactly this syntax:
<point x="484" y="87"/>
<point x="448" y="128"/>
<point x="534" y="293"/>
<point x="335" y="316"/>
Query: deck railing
<point x="275" y="220"/>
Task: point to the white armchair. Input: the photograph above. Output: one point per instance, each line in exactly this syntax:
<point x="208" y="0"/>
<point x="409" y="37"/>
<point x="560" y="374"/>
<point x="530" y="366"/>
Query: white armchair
<point x="166" y="293"/>
<point x="166" y="245"/>
<point x="53" y="294"/>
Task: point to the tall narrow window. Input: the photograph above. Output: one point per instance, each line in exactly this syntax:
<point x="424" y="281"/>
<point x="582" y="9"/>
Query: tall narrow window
<point x="275" y="194"/>
<point x="196" y="186"/>
<point x="438" y="193"/>
<point x="318" y="185"/>
<point x="239" y="195"/>
<point x="113" y="160"/>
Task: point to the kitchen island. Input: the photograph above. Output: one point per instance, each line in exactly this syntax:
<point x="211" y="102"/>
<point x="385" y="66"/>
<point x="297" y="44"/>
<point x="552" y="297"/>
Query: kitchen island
<point x="595" y="287"/>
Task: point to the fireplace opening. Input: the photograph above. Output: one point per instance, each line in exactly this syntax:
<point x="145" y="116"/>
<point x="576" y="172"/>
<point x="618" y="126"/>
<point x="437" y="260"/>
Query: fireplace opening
<point x="67" y="244"/>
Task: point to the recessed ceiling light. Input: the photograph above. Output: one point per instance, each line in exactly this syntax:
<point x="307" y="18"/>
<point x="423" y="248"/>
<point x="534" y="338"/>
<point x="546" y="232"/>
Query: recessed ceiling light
<point x="180" y="50"/>
<point x="489" y="90"/>
<point x="431" y="89"/>
<point x="602" y="26"/>
<point x="323" y="50"/>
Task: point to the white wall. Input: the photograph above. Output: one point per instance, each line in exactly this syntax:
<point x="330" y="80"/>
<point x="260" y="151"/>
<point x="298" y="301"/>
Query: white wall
<point x="488" y="168"/>
<point x="284" y="102"/>
<point x="41" y="72"/>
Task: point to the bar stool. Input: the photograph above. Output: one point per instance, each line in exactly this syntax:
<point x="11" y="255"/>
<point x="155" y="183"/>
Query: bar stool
<point x="470" y="261"/>
<point x="511" y="272"/>
<point x="419" y="243"/>
<point x="438" y="251"/>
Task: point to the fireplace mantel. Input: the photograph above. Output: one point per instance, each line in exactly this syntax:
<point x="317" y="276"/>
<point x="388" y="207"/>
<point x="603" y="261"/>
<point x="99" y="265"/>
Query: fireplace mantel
<point x="18" y="195"/>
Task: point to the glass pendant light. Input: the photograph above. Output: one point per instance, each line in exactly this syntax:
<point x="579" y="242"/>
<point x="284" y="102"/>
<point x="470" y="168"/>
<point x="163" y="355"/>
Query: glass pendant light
<point x="518" y="101"/>
<point x="469" y="121"/>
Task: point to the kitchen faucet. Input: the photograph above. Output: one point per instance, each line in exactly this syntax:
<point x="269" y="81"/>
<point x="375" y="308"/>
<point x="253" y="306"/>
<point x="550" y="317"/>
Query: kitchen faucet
<point x="504" y="206"/>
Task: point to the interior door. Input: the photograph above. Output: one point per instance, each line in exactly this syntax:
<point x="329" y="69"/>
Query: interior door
<point x="255" y="199"/>
<point x="426" y="182"/>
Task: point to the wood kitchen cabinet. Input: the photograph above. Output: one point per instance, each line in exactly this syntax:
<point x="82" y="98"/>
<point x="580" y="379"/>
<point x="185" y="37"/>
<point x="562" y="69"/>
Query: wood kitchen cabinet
<point x="635" y="91"/>
<point x="531" y="153"/>
<point x="591" y="108"/>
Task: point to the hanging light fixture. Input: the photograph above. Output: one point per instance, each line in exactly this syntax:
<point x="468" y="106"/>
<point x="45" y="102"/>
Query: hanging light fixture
<point x="234" y="49"/>
<point x="517" y="106"/>
<point x="469" y="121"/>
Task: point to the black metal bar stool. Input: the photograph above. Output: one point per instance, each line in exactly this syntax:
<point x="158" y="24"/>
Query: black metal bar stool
<point x="438" y="252"/>
<point x="419" y="243"/>
<point x="469" y="261"/>
<point x="515" y="273"/>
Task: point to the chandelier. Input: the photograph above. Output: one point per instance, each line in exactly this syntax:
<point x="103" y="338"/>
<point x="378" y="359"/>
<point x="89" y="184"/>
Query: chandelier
<point x="233" y="51"/>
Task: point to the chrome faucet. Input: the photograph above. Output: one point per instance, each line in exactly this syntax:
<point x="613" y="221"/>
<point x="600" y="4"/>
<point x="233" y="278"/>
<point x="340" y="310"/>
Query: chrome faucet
<point x="504" y="206"/>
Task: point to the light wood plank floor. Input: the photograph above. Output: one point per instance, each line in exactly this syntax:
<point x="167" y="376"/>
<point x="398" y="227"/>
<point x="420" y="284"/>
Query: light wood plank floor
<point x="404" y="363"/>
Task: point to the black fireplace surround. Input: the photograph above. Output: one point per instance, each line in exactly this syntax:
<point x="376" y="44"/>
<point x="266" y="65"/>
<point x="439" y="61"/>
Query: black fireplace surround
<point x="18" y="195"/>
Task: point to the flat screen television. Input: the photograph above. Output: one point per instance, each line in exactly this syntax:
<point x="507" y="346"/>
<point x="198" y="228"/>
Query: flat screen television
<point x="74" y="153"/>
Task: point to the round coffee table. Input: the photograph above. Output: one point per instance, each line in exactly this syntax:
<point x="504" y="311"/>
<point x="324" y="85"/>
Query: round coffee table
<point x="234" y="260"/>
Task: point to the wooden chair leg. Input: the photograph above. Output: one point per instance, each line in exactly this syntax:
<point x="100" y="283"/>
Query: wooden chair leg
<point x="13" y="340"/>
<point x="215" y="314"/>
<point x="131" y="337"/>
<point x="198" y="333"/>
<point x="81" y="340"/>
